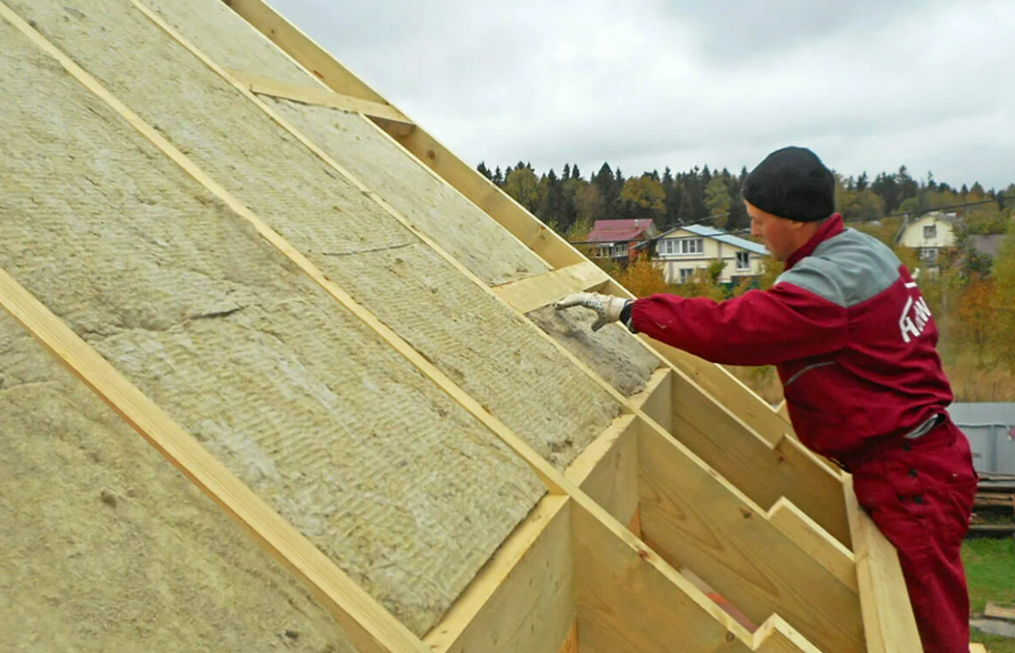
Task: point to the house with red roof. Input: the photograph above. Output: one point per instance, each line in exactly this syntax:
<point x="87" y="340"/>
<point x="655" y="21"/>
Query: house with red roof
<point x="616" y="238"/>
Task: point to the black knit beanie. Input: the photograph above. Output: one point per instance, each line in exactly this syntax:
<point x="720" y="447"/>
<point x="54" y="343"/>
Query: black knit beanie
<point x="792" y="183"/>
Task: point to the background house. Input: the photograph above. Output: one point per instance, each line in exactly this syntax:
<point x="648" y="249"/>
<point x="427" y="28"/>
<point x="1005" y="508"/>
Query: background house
<point x="682" y="251"/>
<point x="615" y="238"/>
<point x="930" y="234"/>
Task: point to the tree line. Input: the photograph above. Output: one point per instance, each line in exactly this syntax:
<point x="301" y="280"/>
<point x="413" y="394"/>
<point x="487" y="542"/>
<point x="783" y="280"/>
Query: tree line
<point x="569" y="203"/>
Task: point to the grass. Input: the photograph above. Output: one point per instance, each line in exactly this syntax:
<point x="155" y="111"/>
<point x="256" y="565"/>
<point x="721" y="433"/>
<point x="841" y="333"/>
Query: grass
<point x="990" y="573"/>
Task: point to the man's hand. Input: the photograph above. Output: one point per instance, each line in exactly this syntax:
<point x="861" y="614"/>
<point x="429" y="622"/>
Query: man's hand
<point x="607" y="307"/>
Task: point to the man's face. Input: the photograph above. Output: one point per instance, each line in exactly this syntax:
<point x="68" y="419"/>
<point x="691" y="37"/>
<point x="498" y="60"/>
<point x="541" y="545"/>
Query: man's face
<point x="779" y="235"/>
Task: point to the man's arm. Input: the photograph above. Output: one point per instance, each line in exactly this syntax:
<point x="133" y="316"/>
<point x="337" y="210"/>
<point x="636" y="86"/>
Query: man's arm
<point x="757" y="328"/>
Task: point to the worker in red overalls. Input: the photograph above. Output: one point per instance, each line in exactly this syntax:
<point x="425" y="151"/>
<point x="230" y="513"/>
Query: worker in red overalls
<point x="854" y="343"/>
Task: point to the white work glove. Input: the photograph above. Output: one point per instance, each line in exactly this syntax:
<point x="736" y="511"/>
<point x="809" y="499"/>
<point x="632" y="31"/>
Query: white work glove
<point x="607" y="307"/>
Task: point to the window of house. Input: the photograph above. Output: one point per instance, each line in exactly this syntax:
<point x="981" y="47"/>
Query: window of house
<point x="930" y="232"/>
<point x="686" y="274"/>
<point x="692" y="246"/>
<point x="743" y="260"/>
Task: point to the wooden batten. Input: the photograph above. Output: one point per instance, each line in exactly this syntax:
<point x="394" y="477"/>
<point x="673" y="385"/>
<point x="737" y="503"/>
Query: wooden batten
<point x="536" y="292"/>
<point x="319" y="97"/>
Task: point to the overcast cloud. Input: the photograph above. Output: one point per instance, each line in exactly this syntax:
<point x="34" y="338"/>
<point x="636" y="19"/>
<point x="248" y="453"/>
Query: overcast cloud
<point x="869" y="85"/>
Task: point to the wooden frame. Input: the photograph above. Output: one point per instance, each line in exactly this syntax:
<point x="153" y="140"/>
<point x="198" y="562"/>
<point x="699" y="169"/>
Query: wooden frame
<point x="543" y="286"/>
<point x="763" y="419"/>
<point x="624" y="596"/>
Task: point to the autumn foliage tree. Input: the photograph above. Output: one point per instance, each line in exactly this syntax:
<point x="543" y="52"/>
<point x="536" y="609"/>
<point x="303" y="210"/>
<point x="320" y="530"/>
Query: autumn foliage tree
<point x="643" y="278"/>
<point x="976" y="314"/>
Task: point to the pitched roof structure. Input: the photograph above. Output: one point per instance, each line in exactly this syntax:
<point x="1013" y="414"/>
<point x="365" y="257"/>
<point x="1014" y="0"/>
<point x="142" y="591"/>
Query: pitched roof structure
<point x="330" y="330"/>
<point x="608" y="231"/>
<point x="721" y="236"/>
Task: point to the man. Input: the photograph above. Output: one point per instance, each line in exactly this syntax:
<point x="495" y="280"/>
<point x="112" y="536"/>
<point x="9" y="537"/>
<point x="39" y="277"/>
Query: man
<point x="854" y="343"/>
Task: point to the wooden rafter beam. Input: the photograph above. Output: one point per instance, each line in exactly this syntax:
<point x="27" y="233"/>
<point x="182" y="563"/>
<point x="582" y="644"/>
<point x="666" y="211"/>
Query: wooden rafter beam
<point x="536" y="292"/>
<point x="320" y="97"/>
<point x="697" y="520"/>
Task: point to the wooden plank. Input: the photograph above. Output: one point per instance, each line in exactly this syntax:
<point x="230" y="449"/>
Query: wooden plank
<point x="763" y="472"/>
<point x="813" y="539"/>
<point x="607" y="470"/>
<point x="995" y="611"/>
<point x="536" y="292"/>
<point x="317" y="96"/>
<point x="693" y="519"/>
<point x="302" y="49"/>
<point x="631" y="602"/>
<point x="369" y="626"/>
<point x="777" y="636"/>
<point x="889" y="624"/>
<point x="523" y="599"/>
<point x="656" y="400"/>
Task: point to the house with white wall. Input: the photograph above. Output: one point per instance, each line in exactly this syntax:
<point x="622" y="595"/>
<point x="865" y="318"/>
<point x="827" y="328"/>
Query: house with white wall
<point x="682" y="251"/>
<point x="929" y="234"/>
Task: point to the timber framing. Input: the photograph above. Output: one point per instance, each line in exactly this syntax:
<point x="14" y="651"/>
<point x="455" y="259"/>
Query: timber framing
<point x="751" y="409"/>
<point x="830" y="508"/>
<point x="685" y="472"/>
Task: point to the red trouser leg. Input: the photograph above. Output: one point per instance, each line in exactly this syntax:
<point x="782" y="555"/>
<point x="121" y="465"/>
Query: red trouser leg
<point x="921" y="497"/>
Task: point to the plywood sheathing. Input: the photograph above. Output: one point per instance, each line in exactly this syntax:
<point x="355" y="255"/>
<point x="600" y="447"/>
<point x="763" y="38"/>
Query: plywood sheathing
<point x="378" y="467"/>
<point x="620" y="360"/>
<point x="474" y="339"/>
<point x="107" y="547"/>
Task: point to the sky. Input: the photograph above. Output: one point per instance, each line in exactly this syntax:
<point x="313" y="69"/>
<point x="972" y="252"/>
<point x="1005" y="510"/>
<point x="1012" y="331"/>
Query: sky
<point x="644" y="84"/>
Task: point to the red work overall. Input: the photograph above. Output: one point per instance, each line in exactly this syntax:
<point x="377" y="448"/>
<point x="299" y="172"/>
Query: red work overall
<point x="855" y="346"/>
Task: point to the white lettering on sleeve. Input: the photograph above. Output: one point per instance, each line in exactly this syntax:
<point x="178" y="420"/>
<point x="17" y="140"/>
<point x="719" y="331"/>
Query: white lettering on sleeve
<point x="913" y="325"/>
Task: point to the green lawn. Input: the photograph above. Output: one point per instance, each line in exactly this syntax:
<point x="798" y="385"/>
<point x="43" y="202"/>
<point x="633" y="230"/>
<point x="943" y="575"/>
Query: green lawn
<point x="990" y="572"/>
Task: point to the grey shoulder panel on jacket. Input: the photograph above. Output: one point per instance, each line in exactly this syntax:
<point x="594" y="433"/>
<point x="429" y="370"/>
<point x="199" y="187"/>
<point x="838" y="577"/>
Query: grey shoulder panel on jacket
<point x="847" y="269"/>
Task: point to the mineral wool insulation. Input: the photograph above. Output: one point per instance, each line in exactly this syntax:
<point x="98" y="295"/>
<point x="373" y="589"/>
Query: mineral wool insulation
<point x="440" y="212"/>
<point x="306" y="405"/>
<point x="107" y="548"/>
<point x="348" y="442"/>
